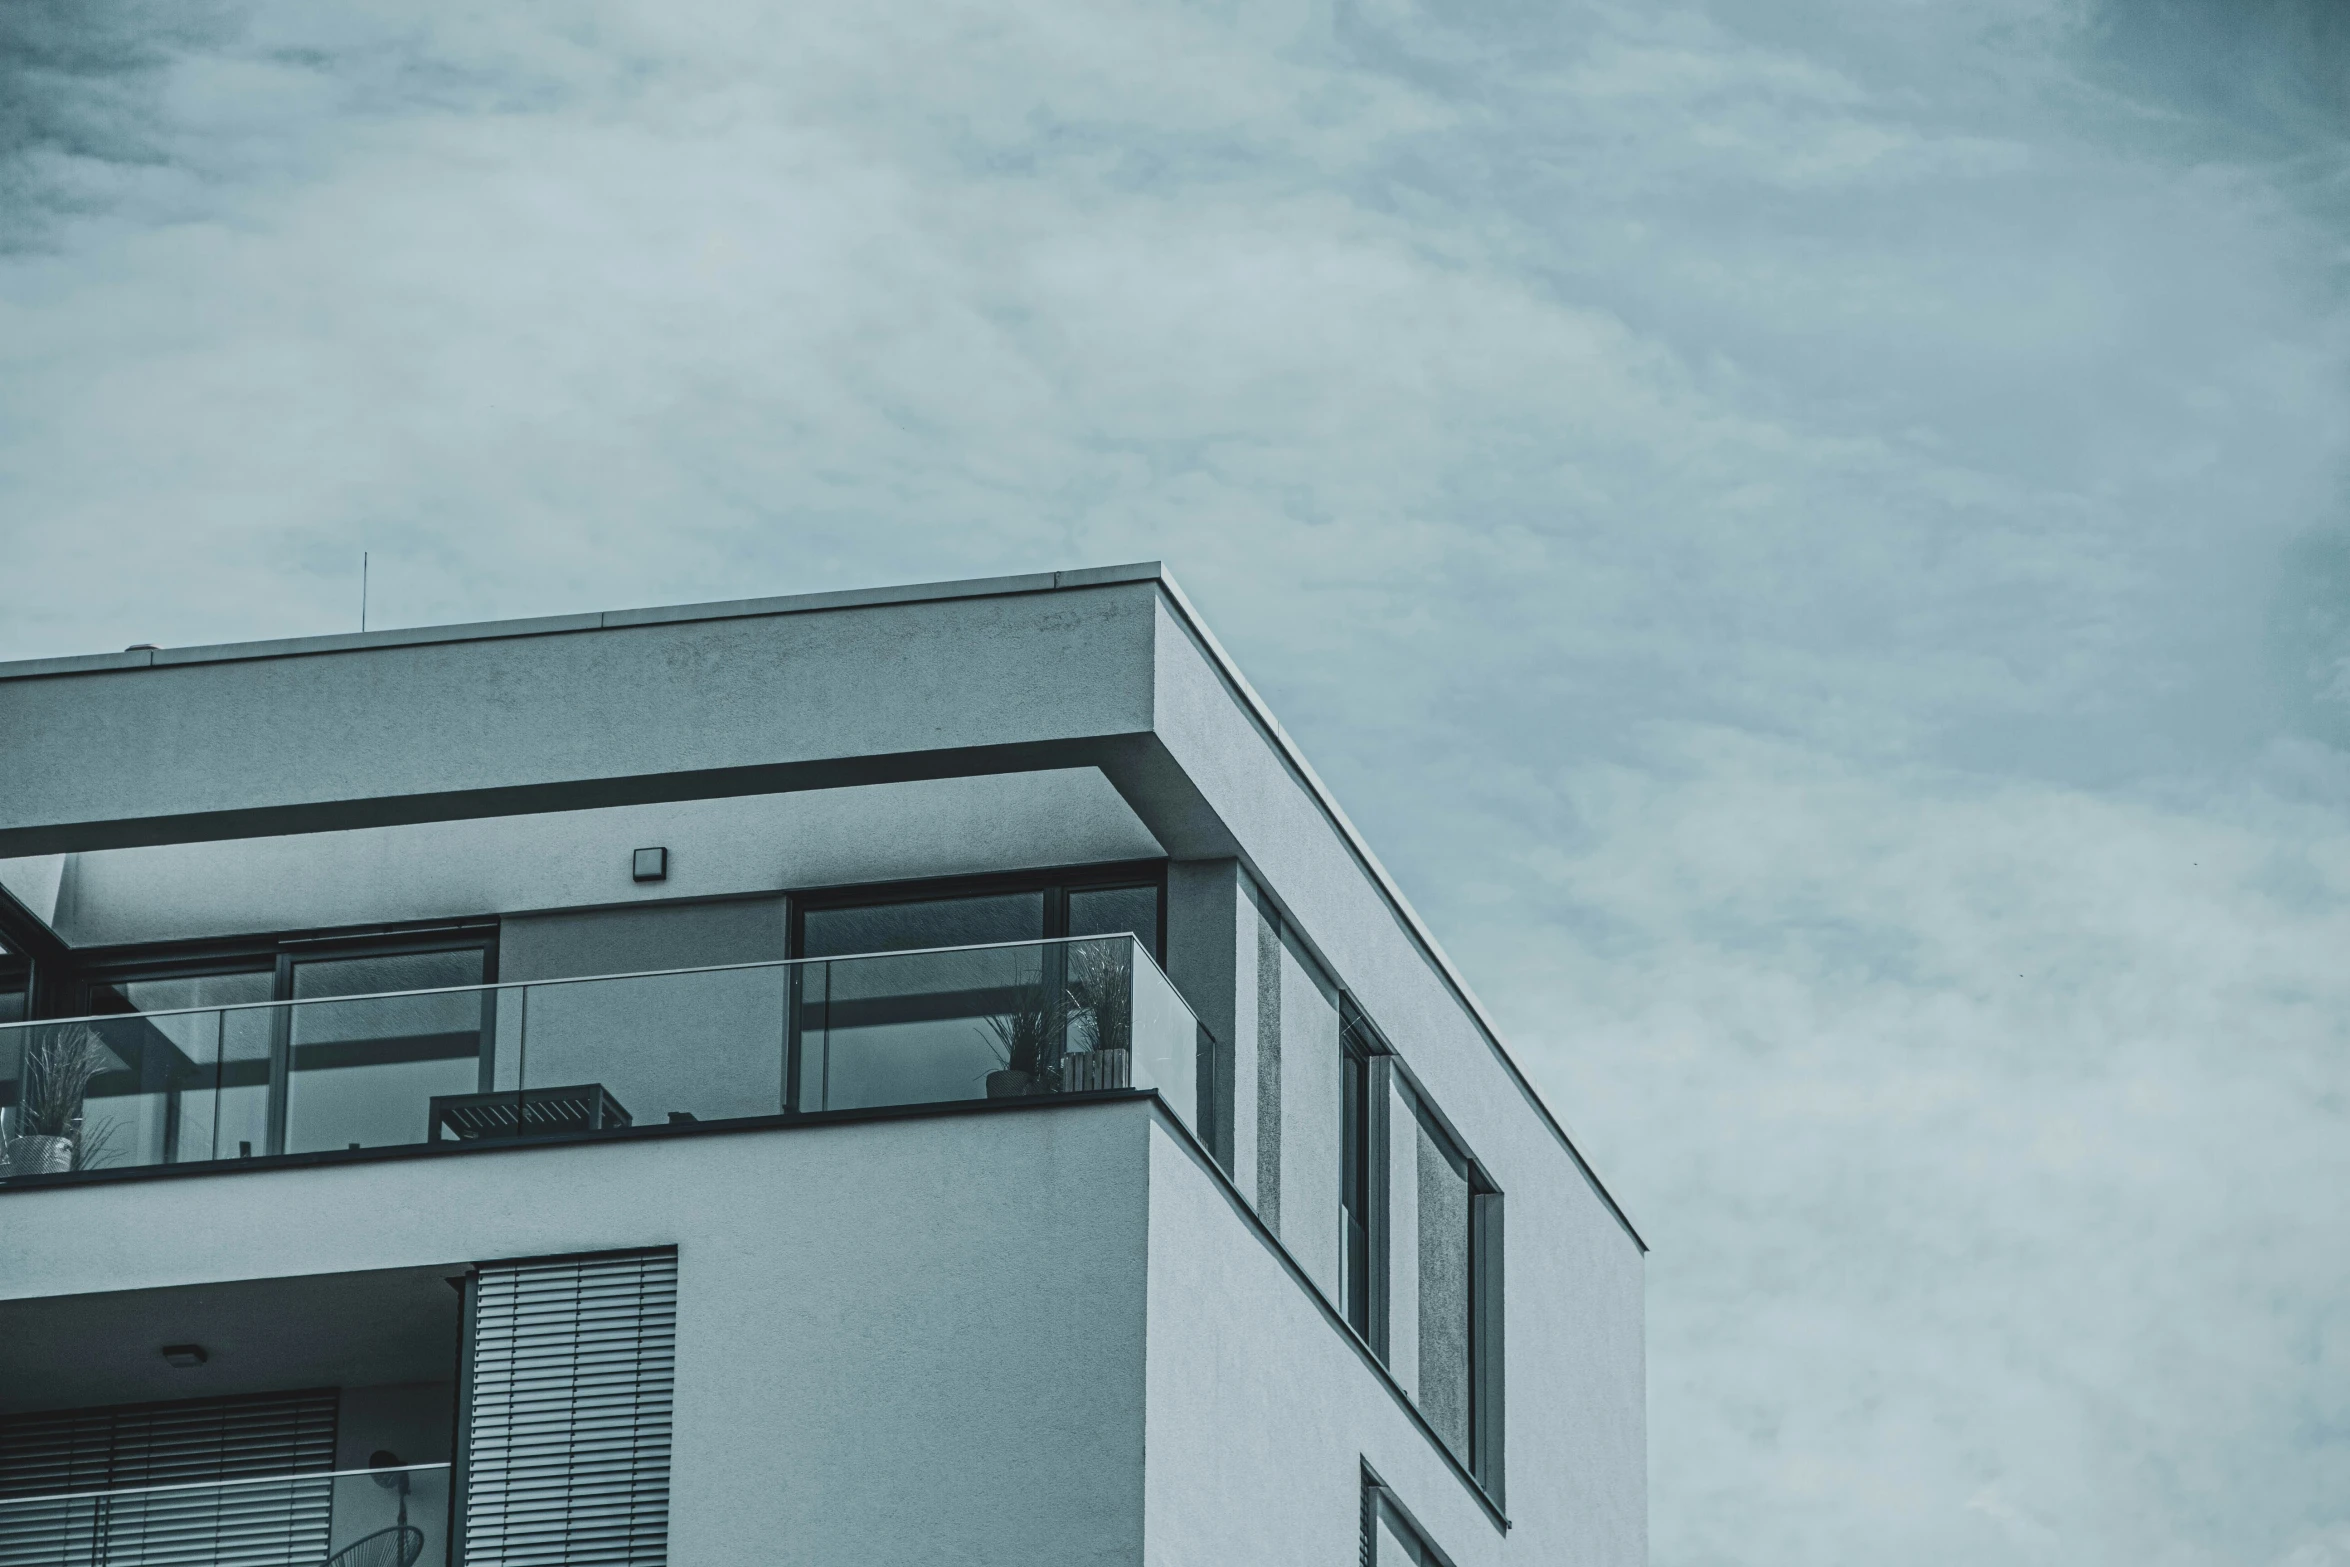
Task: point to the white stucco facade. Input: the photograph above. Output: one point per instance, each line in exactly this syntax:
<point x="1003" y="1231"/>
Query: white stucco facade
<point x="1070" y="1331"/>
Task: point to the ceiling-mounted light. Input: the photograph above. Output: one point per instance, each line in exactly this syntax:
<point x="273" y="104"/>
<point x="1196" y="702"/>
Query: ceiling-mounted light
<point x="185" y="1356"/>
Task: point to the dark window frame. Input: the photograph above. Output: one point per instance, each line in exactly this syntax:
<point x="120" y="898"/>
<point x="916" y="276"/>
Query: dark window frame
<point x="1380" y="1503"/>
<point x="1381" y="1070"/>
<point x="32" y="959"/>
<point x="277" y="956"/>
<point x="1055" y="883"/>
<point x="271" y="951"/>
<point x="1362" y="1198"/>
<point x="16" y="981"/>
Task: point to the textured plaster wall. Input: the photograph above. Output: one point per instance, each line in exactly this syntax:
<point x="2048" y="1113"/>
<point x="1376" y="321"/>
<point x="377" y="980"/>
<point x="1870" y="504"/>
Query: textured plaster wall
<point x="1261" y="1414"/>
<point x="646" y="698"/>
<point x="969" y="673"/>
<point x="1403" y="1246"/>
<point x="1576" y="1407"/>
<point x="36" y="883"/>
<point x="898" y="1342"/>
<point x="1311" y="1093"/>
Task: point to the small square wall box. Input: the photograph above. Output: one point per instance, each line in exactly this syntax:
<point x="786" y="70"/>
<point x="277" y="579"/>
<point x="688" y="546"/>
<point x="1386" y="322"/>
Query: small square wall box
<point x="650" y="865"/>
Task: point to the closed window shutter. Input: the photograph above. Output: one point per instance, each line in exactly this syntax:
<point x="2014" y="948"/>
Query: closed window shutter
<point x="216" y="1482"/>
<point x="567" y="1421"/>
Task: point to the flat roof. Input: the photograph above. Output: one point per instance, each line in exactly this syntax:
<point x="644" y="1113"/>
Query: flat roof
<point x="805" y="603"/>
<point x="554" y="625"/>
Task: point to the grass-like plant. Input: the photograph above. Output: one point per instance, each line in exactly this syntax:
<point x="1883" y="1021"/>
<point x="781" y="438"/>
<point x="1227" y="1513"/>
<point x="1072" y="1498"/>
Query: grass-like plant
<point x="53" y="1087"/>
<point x="1026" y="1035"/>
<point x="1091" y="1010"/>
<point x="1101" y="991"/>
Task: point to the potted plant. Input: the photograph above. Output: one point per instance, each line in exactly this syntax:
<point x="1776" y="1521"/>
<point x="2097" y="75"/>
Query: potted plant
<point x="1101" y="1008"/>
<point x="48" y="1134"/>
<point x="1025" y="1038"/>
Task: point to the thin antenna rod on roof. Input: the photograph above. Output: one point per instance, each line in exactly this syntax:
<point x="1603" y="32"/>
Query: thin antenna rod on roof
<point x="363" y="590"/>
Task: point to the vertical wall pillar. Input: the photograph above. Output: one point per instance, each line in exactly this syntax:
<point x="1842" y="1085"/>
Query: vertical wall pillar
<point x="1403" y="1237"/>
<point x="1275" y="1013"/>
<point x="1309" y="1109"/>
<point x="1265" y="968"/>
<point x="1211" y="957"/>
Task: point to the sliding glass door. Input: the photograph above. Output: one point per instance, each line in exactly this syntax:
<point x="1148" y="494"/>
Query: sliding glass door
<point x="986" y="1020"/>
<point x="186" y="1057"/>
<point x="173" y="1083"/>
<point x="359" y="1072"/>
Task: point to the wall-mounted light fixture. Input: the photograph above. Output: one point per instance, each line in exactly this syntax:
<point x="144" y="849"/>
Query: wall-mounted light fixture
<point x="185" y="1356"/>
<point x="650" y="865"/>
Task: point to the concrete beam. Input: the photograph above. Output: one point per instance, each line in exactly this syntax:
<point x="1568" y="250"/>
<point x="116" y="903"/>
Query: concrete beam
<point x="759" y="698"/>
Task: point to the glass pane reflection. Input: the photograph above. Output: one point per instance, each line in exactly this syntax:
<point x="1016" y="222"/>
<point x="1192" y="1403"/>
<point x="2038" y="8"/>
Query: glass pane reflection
<point x="925" y="1027"/>
<point x="1111" y="911"/>
<point x="331" y="1072"/>
<point x="936" y="922"/>
<point x="361" y="1072"/>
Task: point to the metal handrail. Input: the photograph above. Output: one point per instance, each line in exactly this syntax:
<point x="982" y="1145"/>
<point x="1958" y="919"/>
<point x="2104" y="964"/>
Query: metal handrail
<point x="217" y="1485"/>
<point x="595" y="979"/>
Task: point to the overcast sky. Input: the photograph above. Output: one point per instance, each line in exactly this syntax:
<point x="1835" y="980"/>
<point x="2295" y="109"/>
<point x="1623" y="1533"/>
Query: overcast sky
<point x="1808" y="532"/>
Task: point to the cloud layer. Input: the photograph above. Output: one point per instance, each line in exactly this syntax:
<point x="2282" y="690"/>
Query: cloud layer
<point x="1811" y="535"/>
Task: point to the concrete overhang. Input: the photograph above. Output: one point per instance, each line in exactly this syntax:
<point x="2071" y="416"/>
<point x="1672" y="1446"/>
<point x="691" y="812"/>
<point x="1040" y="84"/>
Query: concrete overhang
<point x="632" y="707"/>
<point x="1107" y="668"/>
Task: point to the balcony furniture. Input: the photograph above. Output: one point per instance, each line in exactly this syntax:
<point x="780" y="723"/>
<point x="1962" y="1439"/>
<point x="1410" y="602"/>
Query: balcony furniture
<point x="398" y="1546"/>
<point x="534" y="1112"/>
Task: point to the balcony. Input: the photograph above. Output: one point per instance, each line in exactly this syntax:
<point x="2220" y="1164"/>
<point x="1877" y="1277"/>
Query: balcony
<point x="501" y="1063"/>
<point x="391" y="1515"/>
<point x="283" y="1422"/>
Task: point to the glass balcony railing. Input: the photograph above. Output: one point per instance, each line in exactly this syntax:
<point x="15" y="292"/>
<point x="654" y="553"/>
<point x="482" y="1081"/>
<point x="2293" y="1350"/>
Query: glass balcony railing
<point x="340" y="1518"/>
<point x="581" y="1055"/>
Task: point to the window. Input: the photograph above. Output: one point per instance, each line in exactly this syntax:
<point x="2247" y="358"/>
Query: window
<point x="1357" y="1175"/>
<point x="15" y="981"/>
<point x="136" y="991"/>
<point x="186" y="1081"/>
<point x="1108" y="911"/>
<point x="358" y="1069"/>
<point x="1444" y="1245"/>
<point x="1391" y="1538"/>
<point x="915" y="923"/>
<point x="172" y="1085"/>
<point x="870" y="1029"/>
<point x="1101" y="901"/>
<point x="1421" y="1229"/>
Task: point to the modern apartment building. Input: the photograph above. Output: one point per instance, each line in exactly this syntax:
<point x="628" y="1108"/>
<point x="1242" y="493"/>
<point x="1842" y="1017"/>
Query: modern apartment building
<point x="915" y="1076"/>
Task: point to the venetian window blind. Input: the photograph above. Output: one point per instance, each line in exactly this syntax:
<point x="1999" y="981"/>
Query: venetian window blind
<point x="566" y="1424"/>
